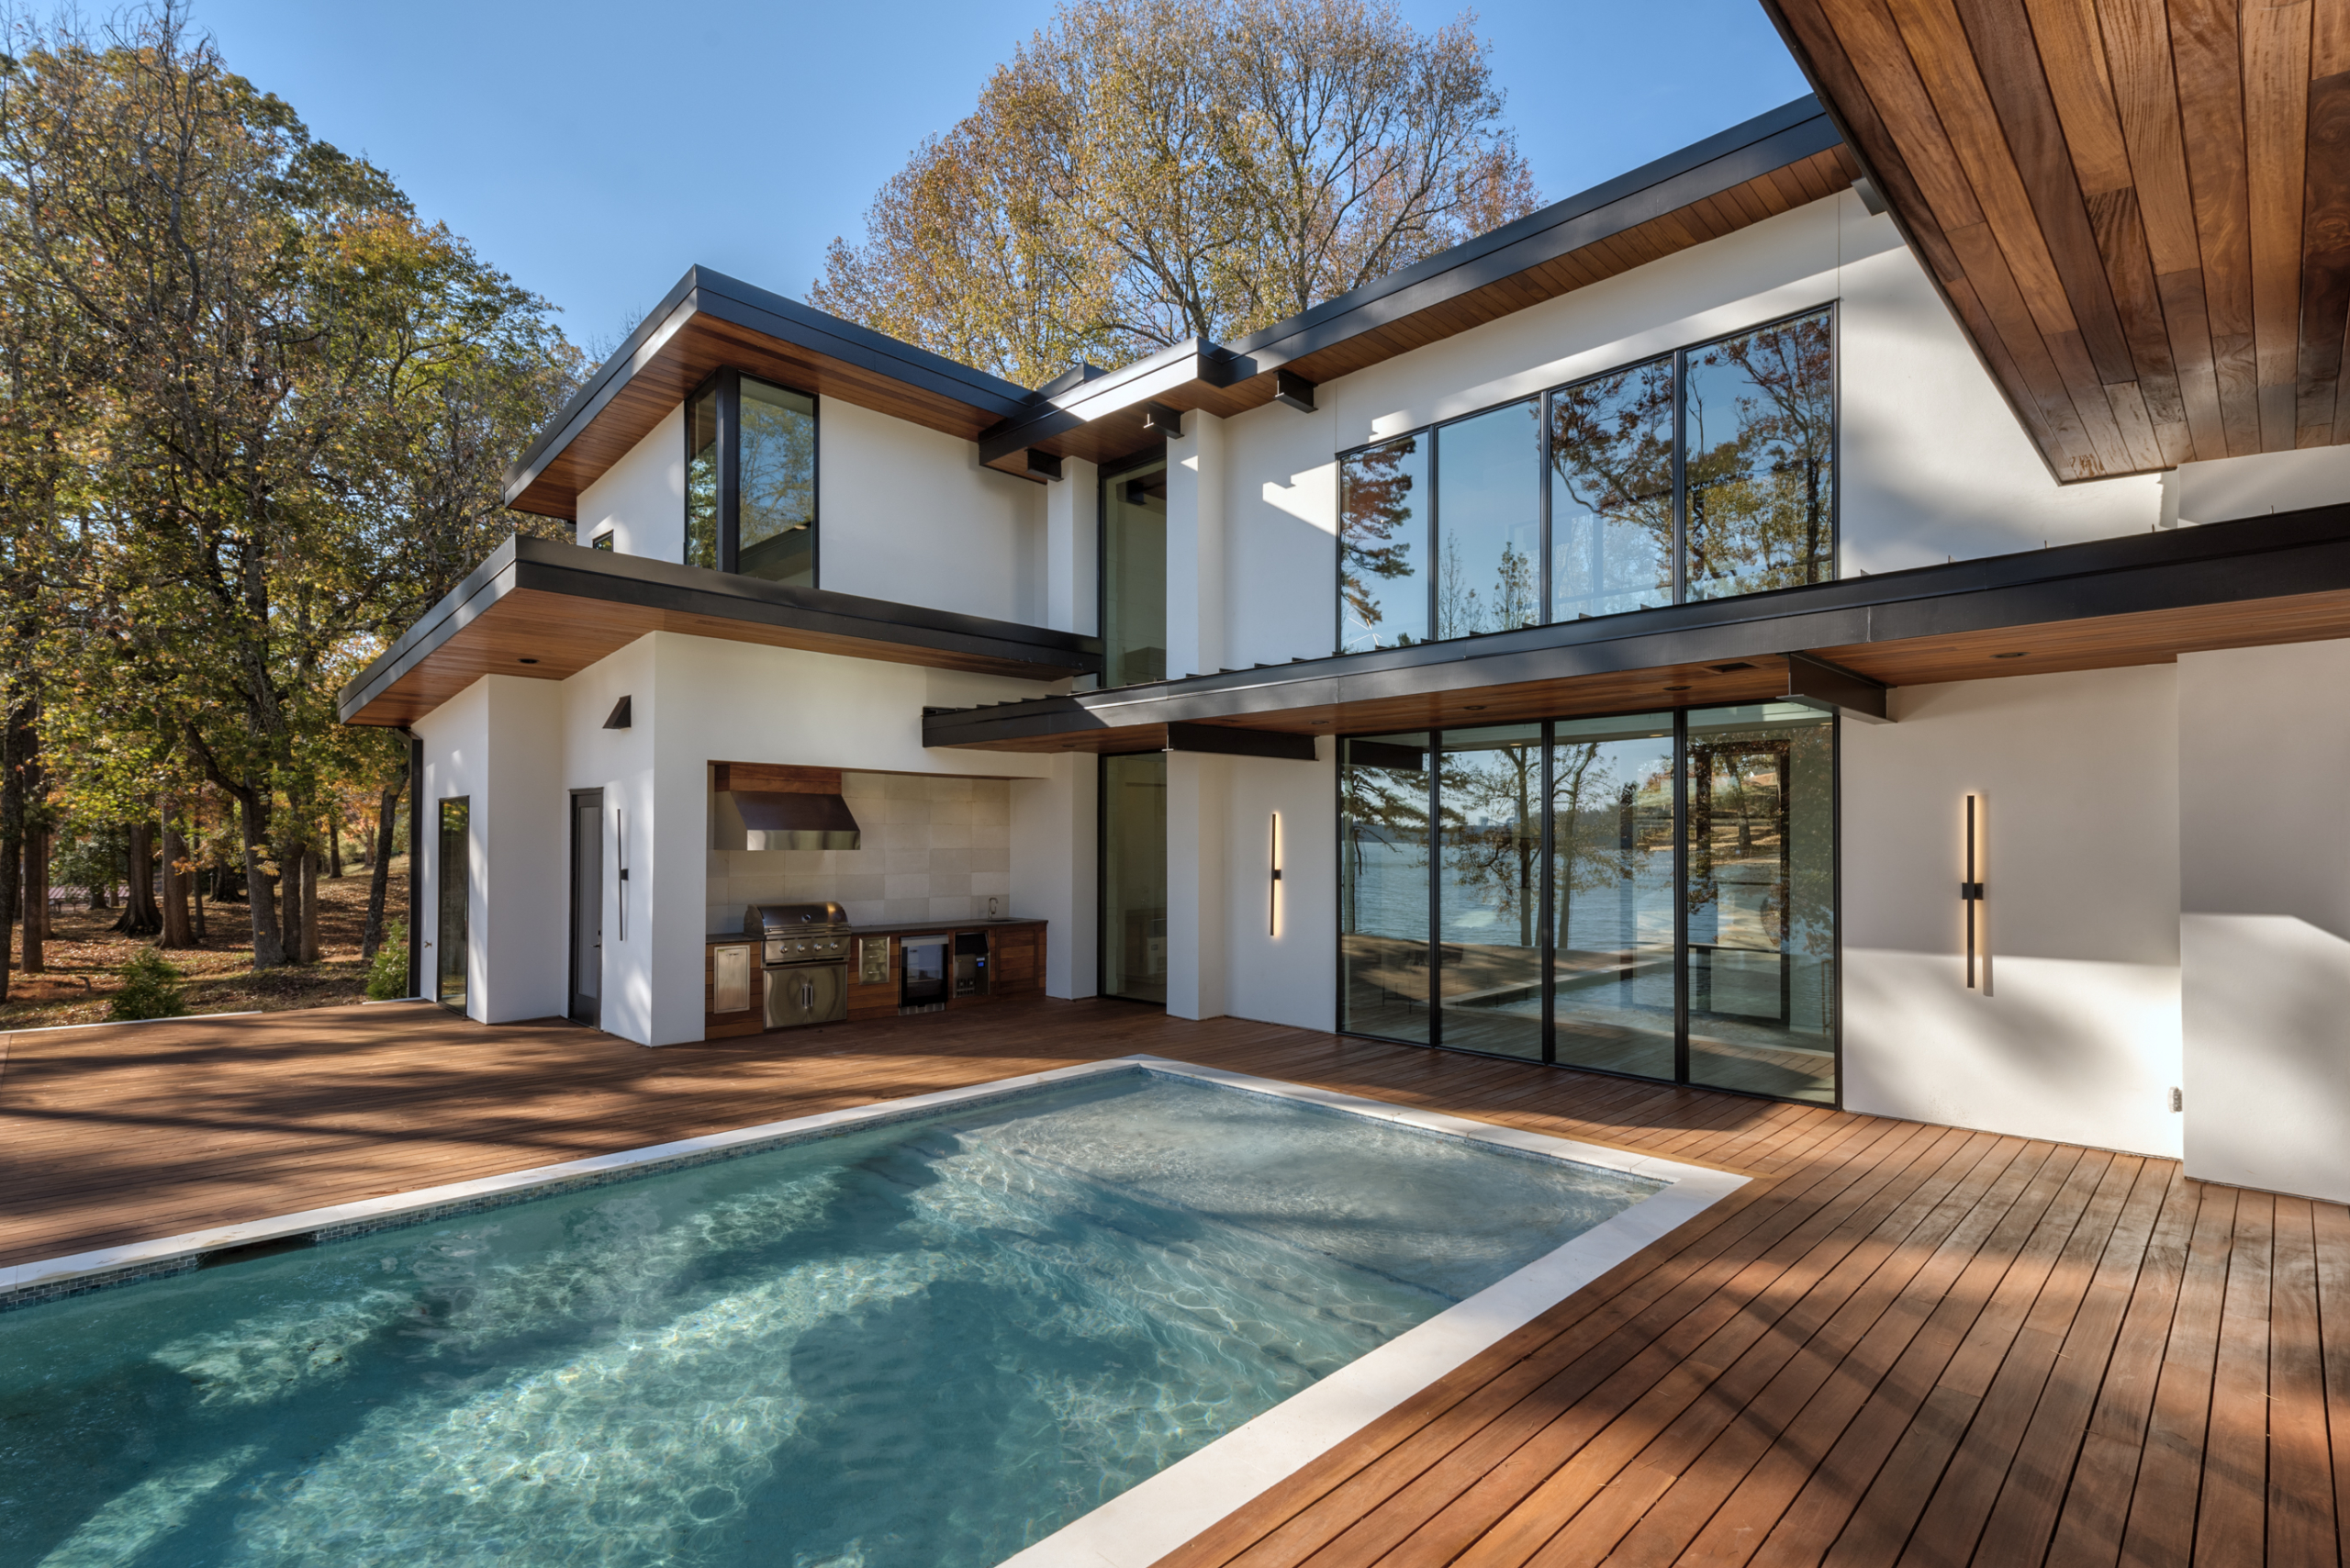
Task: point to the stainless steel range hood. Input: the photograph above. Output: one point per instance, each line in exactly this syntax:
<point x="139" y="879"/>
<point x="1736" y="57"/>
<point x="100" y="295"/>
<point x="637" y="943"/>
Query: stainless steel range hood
<point x="762" y="819"/>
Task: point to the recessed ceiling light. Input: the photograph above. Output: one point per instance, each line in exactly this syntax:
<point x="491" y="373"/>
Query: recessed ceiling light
<point x="1476" y="707"/>
<point x="1725" y="669"/>
<point x="2014" y="656"/>
<point x="527" y="661"/>
<point x="1677" y="689"/>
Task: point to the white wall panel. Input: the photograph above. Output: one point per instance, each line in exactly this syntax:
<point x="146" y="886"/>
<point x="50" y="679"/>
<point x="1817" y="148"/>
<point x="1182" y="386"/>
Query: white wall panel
<point x="2237" y="488"/>
<point x="1199" y="833"/>
<point x="2076" y="1033"/>
<point x="1289" y="975"/>
<point x="642" y="497"/>
<point x="1054" y="866"/>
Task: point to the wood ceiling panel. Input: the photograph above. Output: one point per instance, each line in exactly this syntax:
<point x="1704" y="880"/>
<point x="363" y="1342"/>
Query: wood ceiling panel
<point x="2138" y="209"/>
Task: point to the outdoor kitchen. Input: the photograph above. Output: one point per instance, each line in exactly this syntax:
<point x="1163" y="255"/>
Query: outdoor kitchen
<point x="836" y="896"/>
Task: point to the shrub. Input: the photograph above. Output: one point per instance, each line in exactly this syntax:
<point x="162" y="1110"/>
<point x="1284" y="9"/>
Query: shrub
<point x="388" y="974"/>
<point x="150" y="989"/>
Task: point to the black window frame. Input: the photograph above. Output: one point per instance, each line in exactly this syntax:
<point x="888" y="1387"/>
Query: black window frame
<point x="727" y="382"/>
<point x="1544" y="922"/>
<point x="1680" y="547"/>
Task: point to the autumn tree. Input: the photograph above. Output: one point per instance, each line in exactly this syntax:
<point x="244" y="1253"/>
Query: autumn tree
<point x="1143" y="172"/>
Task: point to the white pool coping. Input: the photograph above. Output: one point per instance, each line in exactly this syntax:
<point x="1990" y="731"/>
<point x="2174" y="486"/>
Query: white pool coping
<point x="1150" y="1520"/>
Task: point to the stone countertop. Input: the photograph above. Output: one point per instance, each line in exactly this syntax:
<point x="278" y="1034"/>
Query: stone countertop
<point x="892" y="928"/>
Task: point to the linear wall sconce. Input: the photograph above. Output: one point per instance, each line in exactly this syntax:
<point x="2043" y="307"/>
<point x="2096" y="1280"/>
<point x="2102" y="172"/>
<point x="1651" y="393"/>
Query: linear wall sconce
<point x="1970" y="891"/>
<point x="1273" y="883"/>
<point x="619" y="856"/>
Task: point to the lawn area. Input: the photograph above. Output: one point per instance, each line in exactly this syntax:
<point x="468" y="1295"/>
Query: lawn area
<point x="83" y="955"/>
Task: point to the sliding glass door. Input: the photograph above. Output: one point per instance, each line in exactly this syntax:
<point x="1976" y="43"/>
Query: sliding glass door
<point x="1652" y="895"/>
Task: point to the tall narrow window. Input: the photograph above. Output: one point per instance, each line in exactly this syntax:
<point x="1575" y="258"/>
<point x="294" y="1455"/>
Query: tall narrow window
<point x="751" y="480"/>
<point x="1383" y="546"/>
<point x="1758" y="424"/>
<point x="1489" y="525"/>
<point x="1611" y="875"/>
<point x="1489" y="810"/>
<point x="1134" y="877"/>
<point x="1133" y="574"/>
<point x="1384" y="843"/>
<point x="451" y="933"/>
<point x="1611" y="492"/>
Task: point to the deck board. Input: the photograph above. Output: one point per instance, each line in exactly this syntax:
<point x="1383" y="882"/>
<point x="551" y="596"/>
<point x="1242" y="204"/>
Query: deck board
<point x="1902" y="1343"/>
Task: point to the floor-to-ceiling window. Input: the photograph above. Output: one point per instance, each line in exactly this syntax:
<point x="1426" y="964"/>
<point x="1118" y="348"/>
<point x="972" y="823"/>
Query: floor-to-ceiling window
<point x="454" y="896"/>
<point x="1654" y="894"/>
<point x="1134" y="877"/>
<point x="1703" y="473"/>
<point x="1133" y="573"/>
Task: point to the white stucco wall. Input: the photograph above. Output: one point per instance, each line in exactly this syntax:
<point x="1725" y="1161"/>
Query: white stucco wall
<point x="2236" y="487"/>
<point x="619" y="763"/>
<point x="2075" y="1035"/>
<point x="909" y="515"/>
<point x="2265" y="916"/>
<point x="1288" y="975"/>
<point x="642" y="497"/>
<point x="1056" y="866"/>
<point x="498" y="744"/>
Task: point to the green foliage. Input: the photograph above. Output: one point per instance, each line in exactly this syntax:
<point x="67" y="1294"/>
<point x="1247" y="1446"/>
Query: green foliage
<point x="150" y="989"/>
<point x="387" y="975"/>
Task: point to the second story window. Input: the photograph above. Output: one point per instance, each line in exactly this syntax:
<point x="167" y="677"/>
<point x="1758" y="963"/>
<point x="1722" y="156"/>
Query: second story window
<point x="1701" y="473"/>
<point x="751" y="480"/>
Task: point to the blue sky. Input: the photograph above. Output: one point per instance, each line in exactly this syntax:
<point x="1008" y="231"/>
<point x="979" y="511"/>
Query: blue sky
<point x="596" y="149"/>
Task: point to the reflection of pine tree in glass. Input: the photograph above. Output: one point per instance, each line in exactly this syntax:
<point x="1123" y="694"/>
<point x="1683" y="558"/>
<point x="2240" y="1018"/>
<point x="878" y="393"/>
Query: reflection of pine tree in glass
<point x="1587" y="836"/>
<point x="1461" y="611"/>
<point x="1611" y="450"/>
<point x="1381" y="805"/>
<point x="1377" y="507"/>
<point x="1492" y="837"/>
<point x="1760" y="425"/>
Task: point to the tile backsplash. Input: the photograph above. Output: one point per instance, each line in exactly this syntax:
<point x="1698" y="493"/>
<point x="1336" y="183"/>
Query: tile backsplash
<point x="932" y="849"/>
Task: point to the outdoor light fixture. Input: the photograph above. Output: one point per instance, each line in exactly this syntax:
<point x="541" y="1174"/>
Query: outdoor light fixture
<point x="620" y="854"/>
<point x="1971" y="890"/>
<point x="1273" y="883"/>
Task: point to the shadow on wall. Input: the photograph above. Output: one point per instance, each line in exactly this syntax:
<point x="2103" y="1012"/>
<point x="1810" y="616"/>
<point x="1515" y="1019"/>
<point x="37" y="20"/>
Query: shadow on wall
<point x="2267" y="1058"/>
<point x="2074" y="1049"/>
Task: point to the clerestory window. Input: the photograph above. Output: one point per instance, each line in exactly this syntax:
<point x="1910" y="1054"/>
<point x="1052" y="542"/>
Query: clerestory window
<point x="1700" y="474"/>
<point x="751" y="479"/>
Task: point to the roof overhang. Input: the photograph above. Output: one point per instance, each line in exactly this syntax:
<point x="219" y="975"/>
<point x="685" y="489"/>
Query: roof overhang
<point x="2141" y="216"/>
<point x="710" y="321"/>
<point x="2145" y="599"/>
<point x="1770" y="164"/>
<point x="545" y="611"/>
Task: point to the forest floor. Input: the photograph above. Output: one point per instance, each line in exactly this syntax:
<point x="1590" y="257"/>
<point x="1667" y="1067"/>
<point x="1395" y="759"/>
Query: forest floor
<point x="84" y="957"/>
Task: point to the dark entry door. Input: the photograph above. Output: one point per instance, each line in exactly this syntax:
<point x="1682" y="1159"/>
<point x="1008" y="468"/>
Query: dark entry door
<point x="588" y="906"/>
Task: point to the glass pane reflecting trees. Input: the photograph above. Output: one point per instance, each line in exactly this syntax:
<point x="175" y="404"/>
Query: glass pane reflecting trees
<point x="1611" y="492"/>
<point x="1489" y="828"/>
<point x="777" y="537"/>
<point x="1384" y="886"/>
<point x="1654" y="894"/>
<point x="701" y="480"/>
<point x="1383" y="546"/>
<point x="1133" y="574"/>
<point x="1490" y="551"/>
<point x="1759" y="427"/>
<point x="1134" y="877"/>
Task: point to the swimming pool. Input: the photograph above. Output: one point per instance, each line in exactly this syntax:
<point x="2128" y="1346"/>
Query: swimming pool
<point x="937" y="1334"/>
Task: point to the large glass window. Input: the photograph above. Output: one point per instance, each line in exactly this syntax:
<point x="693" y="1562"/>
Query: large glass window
<point x="1133" y="574"/>
<point x="452" y="931"/>
<point x="1707" y="472"/>
<point x="1652" y="895"/>
<point x="1383" y="546"/>
<point x="1489" y="576"/>
<point x="1383" y="884"/>
<point x="1134" y="877"/>
<point x="751" y="480"/>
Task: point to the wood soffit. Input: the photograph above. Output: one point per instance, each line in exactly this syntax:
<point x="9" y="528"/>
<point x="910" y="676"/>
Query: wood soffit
<point x="2140" y="211"/>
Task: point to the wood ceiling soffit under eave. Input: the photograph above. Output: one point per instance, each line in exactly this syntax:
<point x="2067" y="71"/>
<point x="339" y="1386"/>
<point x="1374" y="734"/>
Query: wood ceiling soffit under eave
<point x="2140" y="213"/>
<point x="1808" y="179"/>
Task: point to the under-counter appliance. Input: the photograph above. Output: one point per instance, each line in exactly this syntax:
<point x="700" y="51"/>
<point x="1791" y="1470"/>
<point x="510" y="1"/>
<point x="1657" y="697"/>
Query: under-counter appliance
<point x="922" y="972"/>
<point x="804" y="956"/>
<point x="970" y="963"/>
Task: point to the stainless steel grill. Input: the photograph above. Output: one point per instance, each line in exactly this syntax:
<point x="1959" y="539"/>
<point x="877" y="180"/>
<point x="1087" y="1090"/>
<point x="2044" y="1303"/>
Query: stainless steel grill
<point x="804" y="952"/>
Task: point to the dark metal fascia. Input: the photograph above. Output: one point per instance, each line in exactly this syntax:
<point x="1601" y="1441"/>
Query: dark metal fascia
<point x="1223" y="740"/>
<point x="548" y="565"/>
<point x="703" y="291"/>
<point x="2275" y="556"/>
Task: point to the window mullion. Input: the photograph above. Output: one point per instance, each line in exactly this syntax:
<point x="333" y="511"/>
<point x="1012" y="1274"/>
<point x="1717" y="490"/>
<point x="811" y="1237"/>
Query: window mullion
<point x="730" y="471"/>
<point x="1680" y="475"/>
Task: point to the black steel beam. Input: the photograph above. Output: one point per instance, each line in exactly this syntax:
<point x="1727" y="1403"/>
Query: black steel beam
<point x="1830" y="688"/>
<point x="1225" y="741"/>
<point x="2269" y="557"/>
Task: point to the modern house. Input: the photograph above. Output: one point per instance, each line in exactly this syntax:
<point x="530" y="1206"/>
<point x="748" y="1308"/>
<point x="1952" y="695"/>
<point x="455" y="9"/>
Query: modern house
<point x="1857" y="610"/>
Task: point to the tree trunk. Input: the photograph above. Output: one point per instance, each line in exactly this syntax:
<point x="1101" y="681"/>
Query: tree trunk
<point x="311" y="921"/>
<point x="269" y="940"/>
<point x="379" y="874"/>
<point x="177" y="932"/>
<point x="12" y="840"/>
<point x="334" y="844"/>
<point x="140" y="915"/>
<point x="292" y="913"/>
<point x="197" y="879"/>
<point x="36" y="897"/>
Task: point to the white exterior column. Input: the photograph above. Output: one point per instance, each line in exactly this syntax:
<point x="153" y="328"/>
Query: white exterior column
<point x="1195" y="547"/>
<point x="1199" y="806"/>
<point x="2264" y="917"/>
<point x="1072" y="539"/>
<point x="1055" y="865"/>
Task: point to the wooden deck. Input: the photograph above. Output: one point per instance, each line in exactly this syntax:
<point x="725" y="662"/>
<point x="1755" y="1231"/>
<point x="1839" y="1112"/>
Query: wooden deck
<point x="1906" y="1344"/>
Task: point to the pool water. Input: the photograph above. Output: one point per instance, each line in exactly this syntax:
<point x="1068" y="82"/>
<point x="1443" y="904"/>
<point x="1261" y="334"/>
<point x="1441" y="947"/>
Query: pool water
<point x="928" y="1342"/>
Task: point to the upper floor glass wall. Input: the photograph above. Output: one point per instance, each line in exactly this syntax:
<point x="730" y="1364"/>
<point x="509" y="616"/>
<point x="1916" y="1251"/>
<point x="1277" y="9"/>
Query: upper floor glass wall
<point x="1133" y="574"/>
<point x="1696" y="475"/>
<point x="751" y="480"/>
